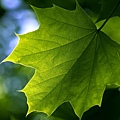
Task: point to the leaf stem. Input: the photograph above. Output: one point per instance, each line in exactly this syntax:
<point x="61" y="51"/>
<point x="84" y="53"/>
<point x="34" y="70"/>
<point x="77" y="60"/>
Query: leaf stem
<point x="108" y="16"/>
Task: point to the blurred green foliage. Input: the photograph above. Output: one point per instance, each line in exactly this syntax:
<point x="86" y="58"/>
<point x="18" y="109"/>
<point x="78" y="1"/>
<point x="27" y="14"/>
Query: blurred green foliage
<point x="13" y="105"/>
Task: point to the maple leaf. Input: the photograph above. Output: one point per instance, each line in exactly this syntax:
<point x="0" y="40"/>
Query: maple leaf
<point x="73" y="61"/>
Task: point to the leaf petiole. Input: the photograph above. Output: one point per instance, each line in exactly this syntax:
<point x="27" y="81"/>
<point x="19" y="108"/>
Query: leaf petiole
<point x="108" y="16"/>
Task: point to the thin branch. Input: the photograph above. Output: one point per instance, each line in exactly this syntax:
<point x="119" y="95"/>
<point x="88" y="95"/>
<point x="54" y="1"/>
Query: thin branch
<point x="109" y="16"/>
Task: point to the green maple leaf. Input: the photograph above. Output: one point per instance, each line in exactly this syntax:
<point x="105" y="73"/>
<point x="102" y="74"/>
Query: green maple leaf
<point x="72" y="60"/>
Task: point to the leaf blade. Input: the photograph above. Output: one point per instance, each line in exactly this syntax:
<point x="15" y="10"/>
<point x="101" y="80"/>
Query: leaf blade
<point x="70" y="61"/>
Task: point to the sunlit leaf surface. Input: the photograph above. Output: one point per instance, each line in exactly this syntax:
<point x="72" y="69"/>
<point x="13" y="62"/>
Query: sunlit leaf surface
<point x="73" y="61"/>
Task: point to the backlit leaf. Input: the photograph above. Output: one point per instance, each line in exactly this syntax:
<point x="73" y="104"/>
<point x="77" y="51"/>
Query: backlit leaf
<point x="72" y="61"/>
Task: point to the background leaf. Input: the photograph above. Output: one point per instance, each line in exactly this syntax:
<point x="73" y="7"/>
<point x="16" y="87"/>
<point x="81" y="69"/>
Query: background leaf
<point x="107" y="7"/>
<point x="68" y="4"/>
<point x="66" y="112"/>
